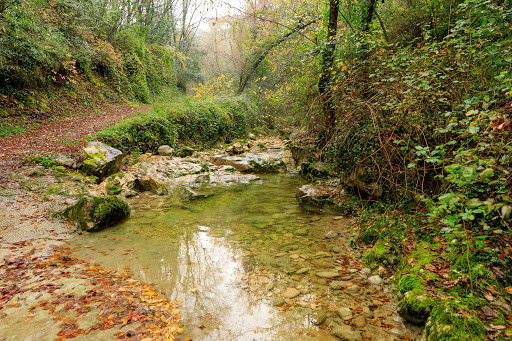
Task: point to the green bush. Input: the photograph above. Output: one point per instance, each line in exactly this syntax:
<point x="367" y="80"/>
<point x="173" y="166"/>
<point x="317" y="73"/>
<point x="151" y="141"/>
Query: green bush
<point x="203" y="123"/>
<point x="144" y="133"/>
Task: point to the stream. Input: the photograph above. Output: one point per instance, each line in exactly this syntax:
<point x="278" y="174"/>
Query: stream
<point x="248" y="264"/>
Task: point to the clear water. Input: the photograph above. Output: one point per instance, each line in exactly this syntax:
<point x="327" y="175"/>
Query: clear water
<point x="217" y="254"/>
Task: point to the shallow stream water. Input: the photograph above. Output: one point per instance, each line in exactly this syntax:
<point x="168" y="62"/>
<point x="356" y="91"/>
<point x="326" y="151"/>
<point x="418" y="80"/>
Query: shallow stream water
<point x="230" y="255"/>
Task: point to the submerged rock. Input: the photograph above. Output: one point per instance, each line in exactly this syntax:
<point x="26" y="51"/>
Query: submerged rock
<point x="290" y="293"/>
<point x="152" y="185"/>
<point x="101" y="160"/>
<point x="344" y="332"/>
<point x="130" y="184"/>
<point x="95" y="213"/>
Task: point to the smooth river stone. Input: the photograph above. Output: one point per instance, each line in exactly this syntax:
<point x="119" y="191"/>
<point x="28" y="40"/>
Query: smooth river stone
<point x="301" y="271"/>
<point x="327" y="274"/>
<point x="290" y="293"/>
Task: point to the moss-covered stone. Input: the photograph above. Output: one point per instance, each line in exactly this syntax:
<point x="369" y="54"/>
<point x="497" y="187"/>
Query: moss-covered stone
<point x="416" y="306"/>
<point x="381" y="253"/>
<point x="409" y="282"/>
<point x="453" y="320"/>
<point x="184" y="152"/>
<point x="95" y="213"/>
<point x="101" y="160"/>
<point x="368" y="235"/>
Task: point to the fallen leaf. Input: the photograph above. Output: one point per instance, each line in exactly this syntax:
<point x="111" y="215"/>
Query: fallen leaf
<point x="489" y="297"/>
<point x="192" y="290"/>
<point x="489" y="312"/>
<point x="497" y="327"/>
<point x="509" y="290"/>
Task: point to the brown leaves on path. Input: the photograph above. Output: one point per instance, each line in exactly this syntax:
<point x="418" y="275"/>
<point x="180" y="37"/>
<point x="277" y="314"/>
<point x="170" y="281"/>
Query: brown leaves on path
<point x="60" y="136"/>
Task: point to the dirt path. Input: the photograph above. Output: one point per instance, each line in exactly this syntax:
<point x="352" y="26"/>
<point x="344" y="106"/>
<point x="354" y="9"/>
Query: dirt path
<point x="60" y="136"/>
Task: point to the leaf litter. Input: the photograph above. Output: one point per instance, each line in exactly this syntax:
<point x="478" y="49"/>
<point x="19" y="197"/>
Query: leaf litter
<point x="101" y="299"/>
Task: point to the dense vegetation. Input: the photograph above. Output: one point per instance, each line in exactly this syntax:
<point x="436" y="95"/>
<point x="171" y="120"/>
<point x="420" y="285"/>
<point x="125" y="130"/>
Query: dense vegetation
<point x="201" y="123"/>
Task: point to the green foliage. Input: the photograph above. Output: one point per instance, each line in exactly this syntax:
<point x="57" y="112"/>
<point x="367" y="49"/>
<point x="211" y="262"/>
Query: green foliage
<point x="47" y="160"/>
<point x="144" y="133"/>
<point x="61" y="43"/>
<point x="201" y="122"/>
<point x="409" y="282"/>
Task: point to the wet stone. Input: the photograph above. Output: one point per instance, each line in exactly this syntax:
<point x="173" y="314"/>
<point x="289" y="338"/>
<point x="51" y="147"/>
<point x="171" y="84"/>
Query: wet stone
<point x="359" y="322"/>
<point x="290" y="293"/>
<point x="278" y="301"/>
<point x="339" y="284"/>
<point x="319" y="317"/>
<point x="327" y="274"/>
<point x="345" y="332"/>
<point x="301" y="271"/>
<point x="331" y="234"/>
<point x="344" y="313"/>
<point x="375" y="280"/>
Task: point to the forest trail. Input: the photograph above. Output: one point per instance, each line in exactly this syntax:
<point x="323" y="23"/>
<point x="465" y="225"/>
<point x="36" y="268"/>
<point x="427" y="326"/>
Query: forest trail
<point x="64" y="136"/>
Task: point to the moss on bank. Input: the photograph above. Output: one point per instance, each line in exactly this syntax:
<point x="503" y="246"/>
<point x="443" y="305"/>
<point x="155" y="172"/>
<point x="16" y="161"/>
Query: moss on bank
<point x="203" y="123"/>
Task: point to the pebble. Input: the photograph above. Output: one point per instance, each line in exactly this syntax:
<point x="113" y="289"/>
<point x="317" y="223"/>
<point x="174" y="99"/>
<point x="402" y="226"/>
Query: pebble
<point x="319" y="317"/>
<point x="375" y="280"/>
<point x="345" y="332"/>
<point x="290" y="293"/>
<point x="498" y="231"/>
<point x="327" y="274"/>
<point x="301" y="271"/>
<point x="344" y="313"/>
<point x="331" y="234"/>
<point x="366" y="271"/>
<point x="359" y="321"/>
<point x="339" y="284"/>
<point x="278" y="301"/>
<point x="395" y="331"/>
<point x="352" y="288"/>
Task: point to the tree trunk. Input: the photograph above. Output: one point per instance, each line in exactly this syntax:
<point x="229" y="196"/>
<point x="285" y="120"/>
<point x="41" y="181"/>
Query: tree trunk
<point x="325" y="82"/>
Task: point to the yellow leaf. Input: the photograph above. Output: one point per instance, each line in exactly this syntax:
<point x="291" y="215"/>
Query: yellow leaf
<point x="192" y="290"/>
<point x="344" y="68"/>
<point x="509" y="290"/>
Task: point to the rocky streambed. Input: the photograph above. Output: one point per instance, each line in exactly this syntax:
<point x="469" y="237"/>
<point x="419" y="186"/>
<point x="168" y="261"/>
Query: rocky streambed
<point x="234" y="246"/>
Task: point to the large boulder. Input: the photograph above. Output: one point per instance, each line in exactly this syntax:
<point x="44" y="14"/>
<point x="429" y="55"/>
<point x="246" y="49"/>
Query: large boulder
<point x="95" y="213"/>
<point x="252" y="163"/>
<point x="237" y="148"/>
<point x="101" y="160"/>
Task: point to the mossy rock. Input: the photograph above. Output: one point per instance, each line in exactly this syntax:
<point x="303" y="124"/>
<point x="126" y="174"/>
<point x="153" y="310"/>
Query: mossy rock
<point x="409" y="282"/>
<point x="381" y="253"/>
<point x="416" y="306"/>
<point x="368" y="235"/>
<point x="452" y="321"/>
<point x="184" y="152"/>
<point x="95" y="213"/>
<point x="101" y="161"/>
